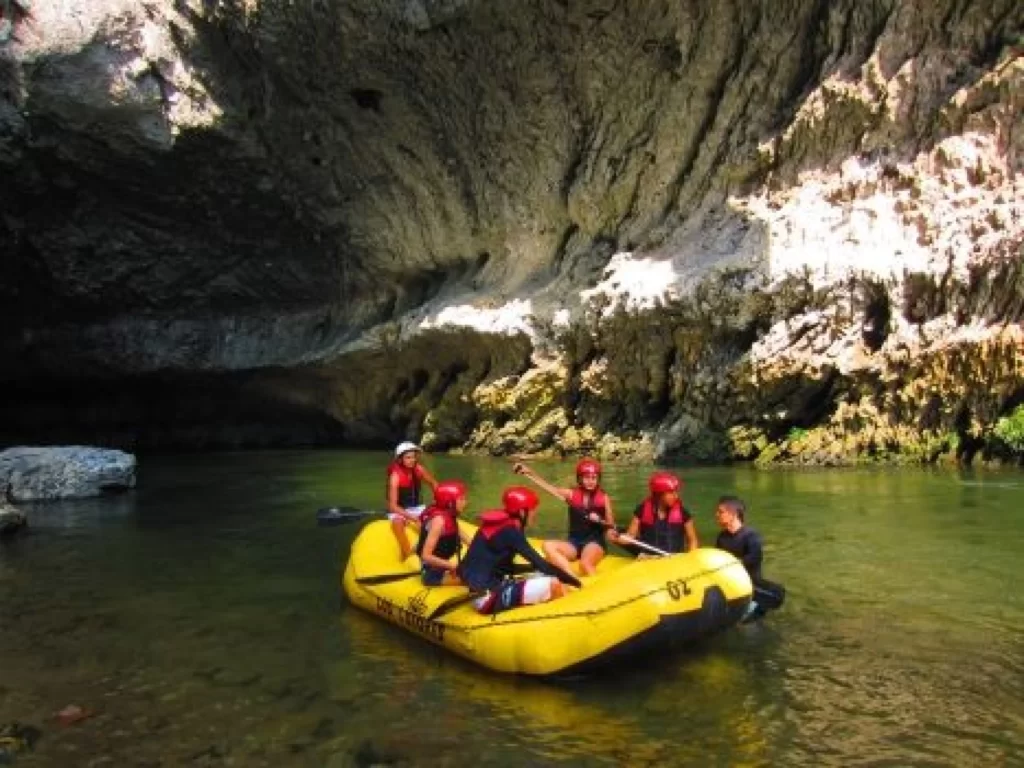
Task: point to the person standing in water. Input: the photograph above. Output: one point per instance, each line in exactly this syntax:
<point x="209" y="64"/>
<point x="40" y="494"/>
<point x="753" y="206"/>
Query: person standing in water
<point x="590" y="517"/>
<point x="405" y="478"/>
<point x="661" y="520"/>
<point x="744" y="543"/>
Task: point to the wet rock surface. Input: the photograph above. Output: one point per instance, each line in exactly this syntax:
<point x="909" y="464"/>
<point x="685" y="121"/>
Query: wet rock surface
<point x="64" y="472"/>
<point x="279" y="203"/>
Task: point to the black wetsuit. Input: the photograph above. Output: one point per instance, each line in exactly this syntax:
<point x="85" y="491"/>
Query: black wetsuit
<point x="745" y="545"/>
<point x="488" y="562"/>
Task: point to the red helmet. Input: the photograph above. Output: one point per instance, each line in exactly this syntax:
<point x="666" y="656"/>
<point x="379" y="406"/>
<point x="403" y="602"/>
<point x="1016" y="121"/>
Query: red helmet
<point x="449" y="492"/>
<point x="519" y="499"/>
<point x="664" y="482"/>
<point x="588" y="467"/>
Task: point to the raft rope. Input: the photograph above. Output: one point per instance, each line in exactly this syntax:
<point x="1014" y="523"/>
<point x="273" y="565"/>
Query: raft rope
<point x="590" y="611"/>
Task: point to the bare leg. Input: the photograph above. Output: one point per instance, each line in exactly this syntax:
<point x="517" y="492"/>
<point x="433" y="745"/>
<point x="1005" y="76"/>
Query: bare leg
<point x="451" y="580"/>
<point x="560" y="553"/>
<point x="404" y="548"/>
<point x="591" y="556"/>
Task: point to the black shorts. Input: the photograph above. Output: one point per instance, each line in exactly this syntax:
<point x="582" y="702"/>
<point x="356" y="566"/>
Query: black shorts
<point x="580" y="541"/>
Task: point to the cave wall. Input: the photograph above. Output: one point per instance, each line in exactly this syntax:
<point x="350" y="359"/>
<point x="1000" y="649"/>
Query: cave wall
<point x="207" y="187"/>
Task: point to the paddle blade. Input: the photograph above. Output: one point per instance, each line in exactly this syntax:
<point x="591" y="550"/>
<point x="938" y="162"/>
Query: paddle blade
<point x="340" y="515"/>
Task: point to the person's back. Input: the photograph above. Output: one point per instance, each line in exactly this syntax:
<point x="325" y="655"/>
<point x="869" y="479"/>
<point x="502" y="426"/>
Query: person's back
<point x="487" y="566"/>
<point x="489" y="556"/>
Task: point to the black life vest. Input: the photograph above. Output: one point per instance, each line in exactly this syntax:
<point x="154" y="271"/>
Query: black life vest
<point x="448" y="544"/>
<point x="408" y="484"/>
<point x="666" y="533"/>
<point x="581" y="504"/>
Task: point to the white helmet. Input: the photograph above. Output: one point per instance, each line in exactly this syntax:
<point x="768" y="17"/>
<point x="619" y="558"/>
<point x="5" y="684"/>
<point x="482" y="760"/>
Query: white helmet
<point x="406" y="447"/>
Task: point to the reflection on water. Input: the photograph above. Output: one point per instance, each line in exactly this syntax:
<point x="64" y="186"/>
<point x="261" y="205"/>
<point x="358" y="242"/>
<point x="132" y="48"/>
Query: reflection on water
<point x="199" y="617"/>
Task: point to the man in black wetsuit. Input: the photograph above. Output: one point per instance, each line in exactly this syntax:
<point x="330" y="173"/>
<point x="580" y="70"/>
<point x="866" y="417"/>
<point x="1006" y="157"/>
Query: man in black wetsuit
<point x="744" y="543"/>
<point x="487" y="566"/>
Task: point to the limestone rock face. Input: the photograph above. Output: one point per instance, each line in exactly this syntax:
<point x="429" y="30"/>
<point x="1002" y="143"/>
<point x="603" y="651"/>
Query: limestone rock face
<point x="267" y="189"/>
<point x="64" y="472"/>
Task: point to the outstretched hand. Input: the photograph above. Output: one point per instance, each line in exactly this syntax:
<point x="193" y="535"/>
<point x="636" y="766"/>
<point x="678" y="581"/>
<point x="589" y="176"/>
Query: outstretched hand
<point x="520" y="469"/>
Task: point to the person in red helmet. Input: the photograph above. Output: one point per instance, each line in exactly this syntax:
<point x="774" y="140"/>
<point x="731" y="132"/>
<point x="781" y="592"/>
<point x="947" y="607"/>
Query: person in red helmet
<point x="661" y="520"/>
<point x="590" y="517"/>
<point x="487" y="566"/>
<point x="440" y="537"/>
<point x="406" y="476"/>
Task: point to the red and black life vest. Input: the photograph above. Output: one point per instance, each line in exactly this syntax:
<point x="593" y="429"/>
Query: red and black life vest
<point x="495" y="520"/>
<point x="408" y="483"/>
<point x="448" y="544"/>
<point x="667" y="533"/>
<point x="581" y="504"/>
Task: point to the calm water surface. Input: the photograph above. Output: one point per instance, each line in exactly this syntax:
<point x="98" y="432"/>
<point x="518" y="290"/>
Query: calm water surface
<point x="200" y="619"/>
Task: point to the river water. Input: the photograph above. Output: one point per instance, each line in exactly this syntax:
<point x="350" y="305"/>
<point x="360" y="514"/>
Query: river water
<point x="199" y="620"/>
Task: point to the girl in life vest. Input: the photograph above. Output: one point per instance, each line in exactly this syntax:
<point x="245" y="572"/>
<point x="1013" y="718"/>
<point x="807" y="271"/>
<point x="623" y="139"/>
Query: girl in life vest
<point x="440" y="538"/>
<point x="590" y="517"/>
<point x="661" y="520"/>
<point x="405" y="478"/>
<point x="487" y="566"/>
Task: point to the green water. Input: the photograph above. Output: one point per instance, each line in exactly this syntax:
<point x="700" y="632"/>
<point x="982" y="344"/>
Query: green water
<point x="200" y="619"/>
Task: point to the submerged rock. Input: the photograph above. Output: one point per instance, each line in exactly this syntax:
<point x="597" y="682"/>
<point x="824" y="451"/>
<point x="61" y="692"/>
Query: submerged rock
<point x="11" y="519"/>
<point x="64" y="472"/>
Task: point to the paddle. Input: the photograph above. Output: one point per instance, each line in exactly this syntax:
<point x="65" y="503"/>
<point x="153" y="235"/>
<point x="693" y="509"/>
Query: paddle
<point x="451" y="604"/>
<point x="637" y="543"/>
<point x="387" y="578"/>
<point x="630" y="540"/>
<point x="340" y="515"/>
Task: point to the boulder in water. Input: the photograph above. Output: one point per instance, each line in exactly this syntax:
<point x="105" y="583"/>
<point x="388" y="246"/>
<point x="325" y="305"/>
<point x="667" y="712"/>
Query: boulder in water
<point x="11" y="520"/>
<point x="64" y="472"/>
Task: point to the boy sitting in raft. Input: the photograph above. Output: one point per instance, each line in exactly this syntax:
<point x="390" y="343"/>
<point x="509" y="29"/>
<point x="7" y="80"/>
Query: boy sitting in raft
<point x="744" y="543"/>
<point x="590" y="516"/>
<point x="661" y="520"/>
<point x="405" y="476"/>
<point x="440" y="538"/>
<point x="487" y="566"/>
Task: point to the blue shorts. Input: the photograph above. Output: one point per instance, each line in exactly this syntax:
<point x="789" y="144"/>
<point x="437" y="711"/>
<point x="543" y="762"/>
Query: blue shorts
<point x="581" y="541"/>
<point x="432" y="577"/>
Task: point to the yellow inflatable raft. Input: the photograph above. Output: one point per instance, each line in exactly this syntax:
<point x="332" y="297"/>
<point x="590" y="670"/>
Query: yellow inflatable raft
<point x="629" y="607"/>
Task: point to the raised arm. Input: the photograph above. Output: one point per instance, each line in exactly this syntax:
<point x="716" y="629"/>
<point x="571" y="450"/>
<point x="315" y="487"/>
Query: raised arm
<point x="562" y="494"/>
